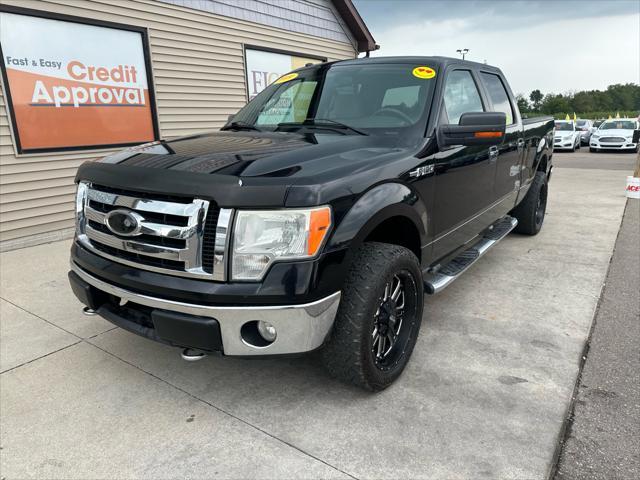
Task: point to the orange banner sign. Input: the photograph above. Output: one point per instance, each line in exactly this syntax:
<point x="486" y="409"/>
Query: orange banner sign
<point x="73" y="85"/>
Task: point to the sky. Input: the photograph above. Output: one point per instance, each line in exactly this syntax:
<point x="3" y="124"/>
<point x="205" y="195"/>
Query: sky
<point x="557" y="46"/>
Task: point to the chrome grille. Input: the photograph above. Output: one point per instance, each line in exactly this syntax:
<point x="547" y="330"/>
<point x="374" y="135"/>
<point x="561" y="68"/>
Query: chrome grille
<point x="612" y="139"/>
<point x="171" y="235"/>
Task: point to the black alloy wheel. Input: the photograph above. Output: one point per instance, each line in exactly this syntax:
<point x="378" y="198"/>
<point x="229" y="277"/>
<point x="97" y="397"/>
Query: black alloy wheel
<point x="393" y="321"/>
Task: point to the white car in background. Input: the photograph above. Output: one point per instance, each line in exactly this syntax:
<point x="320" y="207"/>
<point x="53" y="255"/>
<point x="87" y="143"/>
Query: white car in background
<point x="586" y="129"/>
<point x="616" y="134"/>
<point x="567" y="137"/>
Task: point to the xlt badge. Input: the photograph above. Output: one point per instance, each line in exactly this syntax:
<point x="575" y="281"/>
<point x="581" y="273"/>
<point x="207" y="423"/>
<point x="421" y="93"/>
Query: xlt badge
<point x="421" y="171"/>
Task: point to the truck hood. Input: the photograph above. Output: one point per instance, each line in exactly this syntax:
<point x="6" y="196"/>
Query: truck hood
<point x="235" y="167"/>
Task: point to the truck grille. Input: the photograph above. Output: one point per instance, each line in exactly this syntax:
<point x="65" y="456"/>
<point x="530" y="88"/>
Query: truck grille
<point x="611" y="139"/>
<point x="172" y="235"/>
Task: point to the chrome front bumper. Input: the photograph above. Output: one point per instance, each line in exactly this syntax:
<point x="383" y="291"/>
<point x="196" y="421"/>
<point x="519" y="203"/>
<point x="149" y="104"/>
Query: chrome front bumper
<point x="300" y="328"/>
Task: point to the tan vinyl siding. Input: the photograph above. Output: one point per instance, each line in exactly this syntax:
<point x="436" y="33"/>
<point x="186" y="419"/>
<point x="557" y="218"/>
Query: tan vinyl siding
<point x="198" y="73"/>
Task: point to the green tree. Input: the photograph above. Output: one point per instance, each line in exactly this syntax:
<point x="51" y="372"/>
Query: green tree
<point x="555" y="104"/>
<point x="584" y="102"/>
<point x="523" y="104"/>
<point x="536" y="99"/>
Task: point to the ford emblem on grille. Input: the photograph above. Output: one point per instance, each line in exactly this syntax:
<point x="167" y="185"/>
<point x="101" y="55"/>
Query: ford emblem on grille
<point x="124" y="222"/>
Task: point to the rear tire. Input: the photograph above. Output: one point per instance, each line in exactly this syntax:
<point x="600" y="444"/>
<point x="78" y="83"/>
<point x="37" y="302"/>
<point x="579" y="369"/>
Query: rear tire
<point x="531" y="210"/>
<point x="371" y="322"/>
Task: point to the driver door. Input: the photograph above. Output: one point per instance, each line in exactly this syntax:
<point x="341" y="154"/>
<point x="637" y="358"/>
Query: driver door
<point x="464" y="175"/>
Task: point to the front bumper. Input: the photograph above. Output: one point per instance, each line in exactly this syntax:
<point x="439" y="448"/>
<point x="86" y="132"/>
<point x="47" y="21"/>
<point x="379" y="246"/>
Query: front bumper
<point x="626" y="145"/>
<point x="563" y="144"/>
<point x="300" y="328"/>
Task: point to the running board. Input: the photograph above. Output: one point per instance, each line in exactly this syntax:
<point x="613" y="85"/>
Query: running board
<point x="437" y="281"/>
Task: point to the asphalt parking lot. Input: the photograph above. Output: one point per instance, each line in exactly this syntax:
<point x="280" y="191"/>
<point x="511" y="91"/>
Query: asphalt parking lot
<point x="485" y="394"/>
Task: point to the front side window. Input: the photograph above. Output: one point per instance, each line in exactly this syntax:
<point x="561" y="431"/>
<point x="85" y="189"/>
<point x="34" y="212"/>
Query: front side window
<point x="498" y="95"/>
<point x="461" y="95"/>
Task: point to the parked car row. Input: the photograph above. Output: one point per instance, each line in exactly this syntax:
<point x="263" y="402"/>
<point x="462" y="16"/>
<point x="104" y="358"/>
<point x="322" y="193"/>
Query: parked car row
<point x="615" y="134"/>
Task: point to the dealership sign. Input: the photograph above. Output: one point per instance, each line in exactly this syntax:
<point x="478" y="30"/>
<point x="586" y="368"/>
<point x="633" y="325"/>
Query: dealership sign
<point x="73" y="85"/>
<point x="265" y="67"/>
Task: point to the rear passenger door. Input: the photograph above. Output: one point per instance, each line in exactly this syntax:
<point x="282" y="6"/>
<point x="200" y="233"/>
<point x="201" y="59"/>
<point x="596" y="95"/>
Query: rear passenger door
<point x="464" y="175"/>
<point x="510" y="154"/>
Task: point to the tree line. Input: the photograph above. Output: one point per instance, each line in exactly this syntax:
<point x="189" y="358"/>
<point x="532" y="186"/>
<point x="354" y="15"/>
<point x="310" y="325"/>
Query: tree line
<point x="618" y="98"/>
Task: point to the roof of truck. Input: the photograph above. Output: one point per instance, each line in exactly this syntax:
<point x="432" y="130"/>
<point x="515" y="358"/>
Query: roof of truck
<point x="440" y="61"/>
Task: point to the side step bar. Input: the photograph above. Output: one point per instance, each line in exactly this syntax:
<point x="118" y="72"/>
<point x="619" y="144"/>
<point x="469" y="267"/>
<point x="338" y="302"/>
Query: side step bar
<point x="437" y="281"/>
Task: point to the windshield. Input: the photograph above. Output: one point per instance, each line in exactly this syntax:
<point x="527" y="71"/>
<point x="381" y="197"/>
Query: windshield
<point x="374" y="98"/>
<point x="564" y="126"/>
<point x="618" y="125"/>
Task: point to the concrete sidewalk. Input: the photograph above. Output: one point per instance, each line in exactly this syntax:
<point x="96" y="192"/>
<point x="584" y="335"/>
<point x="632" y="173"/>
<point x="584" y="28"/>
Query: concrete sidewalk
<point x="484" y="395"/>
<point x="603" y="435"/>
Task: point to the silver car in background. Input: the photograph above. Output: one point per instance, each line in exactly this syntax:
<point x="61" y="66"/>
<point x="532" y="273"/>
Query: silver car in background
<point x="586" y="128"/>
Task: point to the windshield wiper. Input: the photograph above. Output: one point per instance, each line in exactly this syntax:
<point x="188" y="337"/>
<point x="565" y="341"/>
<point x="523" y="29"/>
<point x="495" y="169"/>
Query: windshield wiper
<point x="240" y="126"/>
<point x="322" y="123"/>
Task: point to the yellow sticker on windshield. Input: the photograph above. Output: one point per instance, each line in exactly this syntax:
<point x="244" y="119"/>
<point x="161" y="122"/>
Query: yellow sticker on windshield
<point x="286" y="78"/>
<point x="424" y="72"/>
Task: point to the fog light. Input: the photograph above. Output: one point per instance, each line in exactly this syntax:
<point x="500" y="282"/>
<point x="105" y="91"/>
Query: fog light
<point x="267" y="331"/>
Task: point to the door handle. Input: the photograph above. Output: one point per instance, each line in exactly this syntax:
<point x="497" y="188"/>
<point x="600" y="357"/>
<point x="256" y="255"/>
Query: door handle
<point x="493" y="153"/>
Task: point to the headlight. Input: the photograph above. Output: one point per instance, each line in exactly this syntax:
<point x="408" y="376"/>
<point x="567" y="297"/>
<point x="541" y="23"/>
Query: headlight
<point x="81" y="198"/>
<point x="262" y="237"/>
<point x="629" y="138"/>
<point x="595" y="136"/>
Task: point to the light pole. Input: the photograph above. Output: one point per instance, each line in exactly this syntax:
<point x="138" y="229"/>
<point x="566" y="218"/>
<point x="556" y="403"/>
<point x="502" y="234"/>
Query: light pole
<point x="463" y="52"/>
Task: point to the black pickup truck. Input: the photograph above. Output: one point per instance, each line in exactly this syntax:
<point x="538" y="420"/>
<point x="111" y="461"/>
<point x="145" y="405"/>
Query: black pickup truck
<point x="317" y="217"/>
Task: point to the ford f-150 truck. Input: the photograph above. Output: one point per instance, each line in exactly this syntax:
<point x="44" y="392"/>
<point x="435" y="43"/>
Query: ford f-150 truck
<point x="317" y="217"/>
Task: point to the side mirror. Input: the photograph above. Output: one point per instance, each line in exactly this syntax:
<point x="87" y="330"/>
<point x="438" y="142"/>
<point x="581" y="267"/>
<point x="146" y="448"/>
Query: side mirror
<point x="475" y="128"/>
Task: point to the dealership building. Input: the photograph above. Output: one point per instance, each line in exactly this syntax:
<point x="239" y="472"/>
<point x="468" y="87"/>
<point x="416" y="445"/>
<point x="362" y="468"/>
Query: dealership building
<point x="84" y="78"/>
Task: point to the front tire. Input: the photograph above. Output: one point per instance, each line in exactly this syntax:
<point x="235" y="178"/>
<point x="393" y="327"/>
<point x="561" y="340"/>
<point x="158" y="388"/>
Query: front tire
<point x="379" y="317"/>
<point x="531" y="211"/>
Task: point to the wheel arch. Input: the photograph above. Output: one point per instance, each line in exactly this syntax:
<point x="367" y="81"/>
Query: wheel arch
<point x="390" y="212"/>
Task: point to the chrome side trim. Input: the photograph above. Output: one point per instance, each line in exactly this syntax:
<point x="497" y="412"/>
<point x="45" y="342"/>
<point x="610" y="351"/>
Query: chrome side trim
<point x="223" y="236"/>
<point x="300" y="328"/>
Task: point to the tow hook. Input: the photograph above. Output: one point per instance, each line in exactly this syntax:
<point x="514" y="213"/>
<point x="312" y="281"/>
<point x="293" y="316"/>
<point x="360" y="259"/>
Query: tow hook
<point x="192" y="355"/>
<point x="89" y="311"/>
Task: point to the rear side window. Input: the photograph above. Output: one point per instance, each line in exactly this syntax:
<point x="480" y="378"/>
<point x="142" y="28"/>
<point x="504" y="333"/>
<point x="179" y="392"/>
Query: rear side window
<point x="498" y="95"/>
<point x="461" y="95"/>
